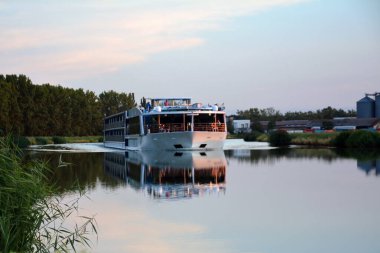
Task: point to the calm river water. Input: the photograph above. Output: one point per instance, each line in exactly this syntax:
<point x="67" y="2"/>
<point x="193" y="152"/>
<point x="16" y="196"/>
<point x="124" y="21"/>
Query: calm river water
<point x="259" y="201"/>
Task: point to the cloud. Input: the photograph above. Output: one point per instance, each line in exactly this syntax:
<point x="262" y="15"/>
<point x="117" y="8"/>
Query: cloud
<point x="74" y="40"/>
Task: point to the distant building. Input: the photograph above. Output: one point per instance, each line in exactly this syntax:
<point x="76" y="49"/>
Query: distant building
<point x="339" y="124"/>
<point x="359" y="123"/>
<point x="242" y="126"/>
<point x="264" y="125"/>
<point x="293" y="125"/>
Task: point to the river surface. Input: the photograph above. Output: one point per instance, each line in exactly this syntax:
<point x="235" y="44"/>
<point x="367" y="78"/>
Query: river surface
<point x="259" y="201"/>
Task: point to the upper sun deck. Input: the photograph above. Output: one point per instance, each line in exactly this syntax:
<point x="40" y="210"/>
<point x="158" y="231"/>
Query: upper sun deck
<point x="167" y="105"/>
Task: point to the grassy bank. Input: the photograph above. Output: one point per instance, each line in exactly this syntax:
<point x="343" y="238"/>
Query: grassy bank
<point x="35" y="140"/>
<point x="23" y="142"/>
<point x="313" y="139"/>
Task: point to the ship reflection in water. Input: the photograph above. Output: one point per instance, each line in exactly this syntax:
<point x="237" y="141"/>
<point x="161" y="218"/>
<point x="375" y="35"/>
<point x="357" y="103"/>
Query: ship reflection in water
<point x="170" y="175"/>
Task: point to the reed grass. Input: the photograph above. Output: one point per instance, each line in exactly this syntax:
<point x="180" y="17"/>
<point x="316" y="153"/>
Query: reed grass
<point x="32" y="215"/>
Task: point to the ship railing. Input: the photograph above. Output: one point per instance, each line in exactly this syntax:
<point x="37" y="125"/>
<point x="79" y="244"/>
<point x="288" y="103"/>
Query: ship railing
<point x="180" y="127"/>
<point x="209" y="127"/>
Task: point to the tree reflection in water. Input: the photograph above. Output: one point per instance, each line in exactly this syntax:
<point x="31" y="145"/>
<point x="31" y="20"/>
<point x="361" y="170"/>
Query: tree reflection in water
<point x="368" y="160"/>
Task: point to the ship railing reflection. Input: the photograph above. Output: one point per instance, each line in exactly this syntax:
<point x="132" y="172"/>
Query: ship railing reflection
<point x="183" y="191"/>
<point x="189" y="175"/>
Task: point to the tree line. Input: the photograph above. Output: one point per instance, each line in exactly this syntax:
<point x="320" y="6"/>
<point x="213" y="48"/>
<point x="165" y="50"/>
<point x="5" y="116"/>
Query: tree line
<point x="46" y="110"/>
<point x="271" y="114"/>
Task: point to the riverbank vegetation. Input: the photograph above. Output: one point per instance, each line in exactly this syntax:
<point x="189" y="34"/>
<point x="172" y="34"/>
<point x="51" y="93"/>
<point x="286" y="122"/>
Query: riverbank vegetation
<point x="349" y="139"/>
<point x="32" y="215"/>
<point x="357" y="139"/>
<point x="313" y="139"/>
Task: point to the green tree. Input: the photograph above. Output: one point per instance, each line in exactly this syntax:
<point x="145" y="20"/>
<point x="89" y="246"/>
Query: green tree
<point x="5" y="97"/>
<point x="256" y="126"/>
<point x="279" y="138"/>
<point x="113" y="102"/>
<point x="327" y="125"/>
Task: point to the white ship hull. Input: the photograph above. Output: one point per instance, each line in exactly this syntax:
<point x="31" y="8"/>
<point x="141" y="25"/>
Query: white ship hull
<point x="173" y="141"/>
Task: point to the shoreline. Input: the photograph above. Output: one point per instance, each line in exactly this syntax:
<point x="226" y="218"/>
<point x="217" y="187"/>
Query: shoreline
<point x="230" y="144"/>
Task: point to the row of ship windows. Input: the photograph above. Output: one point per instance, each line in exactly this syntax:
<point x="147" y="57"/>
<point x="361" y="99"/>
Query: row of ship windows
<point x="114" y="119"/>
<point x="114" y="132"/>
<point x="115" y="159"/>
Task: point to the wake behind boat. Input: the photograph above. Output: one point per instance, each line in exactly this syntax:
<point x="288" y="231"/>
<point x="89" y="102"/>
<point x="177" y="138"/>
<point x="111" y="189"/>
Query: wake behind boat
<point x="169" y="124"/>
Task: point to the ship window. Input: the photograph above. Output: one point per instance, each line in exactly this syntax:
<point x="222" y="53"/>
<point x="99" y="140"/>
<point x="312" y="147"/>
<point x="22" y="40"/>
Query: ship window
<point x="204" y="118"/>
<point x="133" y="126"/>
<point x="220" y="118"/>
<point x="172" y="119"/>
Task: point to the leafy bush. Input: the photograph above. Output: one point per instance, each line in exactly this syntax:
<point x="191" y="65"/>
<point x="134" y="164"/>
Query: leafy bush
<point x="279" y="138"/>
<point x="59" y="140"/>
<point x="41" y="141"/>
<point x="251" y="136"/>
<point x="341" y="139"/>
<point x="101" y="139"/>
<point x="362" y="139"/>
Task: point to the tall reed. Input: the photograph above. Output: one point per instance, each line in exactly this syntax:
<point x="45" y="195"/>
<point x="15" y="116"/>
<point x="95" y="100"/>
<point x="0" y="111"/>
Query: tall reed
<point x="32" y="215"/>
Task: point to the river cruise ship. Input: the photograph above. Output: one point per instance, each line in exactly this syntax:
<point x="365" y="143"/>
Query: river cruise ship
<point x="167" y="124"/>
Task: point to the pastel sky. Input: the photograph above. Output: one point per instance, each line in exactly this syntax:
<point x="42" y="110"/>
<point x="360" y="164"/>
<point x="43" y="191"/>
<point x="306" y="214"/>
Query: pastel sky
<point x="286" y="54"/>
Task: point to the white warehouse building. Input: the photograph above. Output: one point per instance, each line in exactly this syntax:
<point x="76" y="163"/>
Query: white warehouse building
<point x="242" y="126"/>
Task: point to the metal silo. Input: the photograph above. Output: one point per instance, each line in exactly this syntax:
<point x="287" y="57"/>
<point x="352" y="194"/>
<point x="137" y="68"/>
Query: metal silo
<point x="365" y="107"/>
<point x="377" y="110"/>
